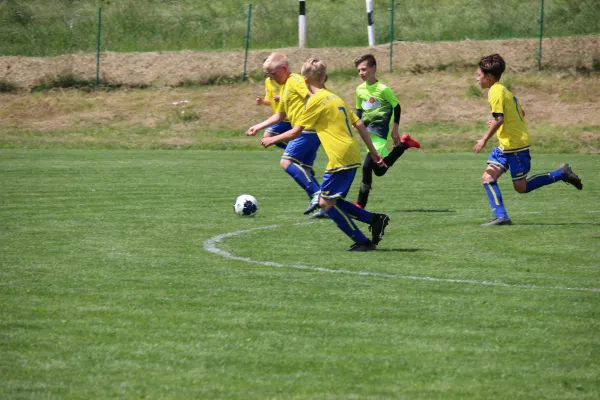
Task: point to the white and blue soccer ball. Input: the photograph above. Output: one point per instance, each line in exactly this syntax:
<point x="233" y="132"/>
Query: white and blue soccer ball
<point x="246" y="205"/>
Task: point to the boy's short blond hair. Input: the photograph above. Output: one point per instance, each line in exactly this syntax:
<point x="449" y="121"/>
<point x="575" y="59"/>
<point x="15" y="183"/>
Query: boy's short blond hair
<point x="315" y="70"/>
<point x="275" y="60"/>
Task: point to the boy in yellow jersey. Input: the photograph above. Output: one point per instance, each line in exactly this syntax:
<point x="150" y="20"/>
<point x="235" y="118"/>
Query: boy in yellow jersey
<point x="271" y="99"/>
<point x="379" y="109"/>
<point x="299" y="155"/>
<point x="513" y="153"/>
<point x="328" y="114"/>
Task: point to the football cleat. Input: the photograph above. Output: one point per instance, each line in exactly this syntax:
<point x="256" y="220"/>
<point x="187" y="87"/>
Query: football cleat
<point x="314" y="203"/>
<point x="319" y="215"/>
<point x="498" y="221"/>
<point x="377" y="227"/>
<point x="367" y="246"/>
<point x="409" y="141"/>
<point x="570" y="176"/>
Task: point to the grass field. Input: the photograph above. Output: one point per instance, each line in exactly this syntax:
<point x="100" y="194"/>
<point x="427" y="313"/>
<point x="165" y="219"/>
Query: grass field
<point x="126" y="274"/>
<point x="56" y="27"/>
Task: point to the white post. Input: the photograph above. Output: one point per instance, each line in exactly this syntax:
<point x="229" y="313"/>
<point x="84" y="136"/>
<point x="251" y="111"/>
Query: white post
<point x="302" y="25"/>
<point x="370" y="28"/>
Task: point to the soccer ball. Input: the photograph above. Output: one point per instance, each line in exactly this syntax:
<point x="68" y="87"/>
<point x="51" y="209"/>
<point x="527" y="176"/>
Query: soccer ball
<point x="245" y="205"/>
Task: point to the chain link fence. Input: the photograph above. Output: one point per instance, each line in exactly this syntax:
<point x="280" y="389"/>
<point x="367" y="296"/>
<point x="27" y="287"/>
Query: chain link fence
<point x="414" y="34"/>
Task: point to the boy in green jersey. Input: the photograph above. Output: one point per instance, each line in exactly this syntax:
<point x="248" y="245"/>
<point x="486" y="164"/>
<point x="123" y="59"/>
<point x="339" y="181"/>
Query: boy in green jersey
<point x="379" y="109"/>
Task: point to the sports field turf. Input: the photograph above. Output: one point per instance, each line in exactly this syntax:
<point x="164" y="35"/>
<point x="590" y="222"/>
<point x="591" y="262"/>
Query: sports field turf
<point x="126" y="274"/>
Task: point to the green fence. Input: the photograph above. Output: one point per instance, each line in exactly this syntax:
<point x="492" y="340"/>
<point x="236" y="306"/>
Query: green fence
<point x="49" y="28"/>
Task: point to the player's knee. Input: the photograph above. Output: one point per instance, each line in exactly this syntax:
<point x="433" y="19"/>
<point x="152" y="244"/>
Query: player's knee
<point x="487" y="178"/>
<point x="285" y="164"/>
<point x="324" y="204"/>
<point x="379" y="171"/>
<point x="520" y="186"/>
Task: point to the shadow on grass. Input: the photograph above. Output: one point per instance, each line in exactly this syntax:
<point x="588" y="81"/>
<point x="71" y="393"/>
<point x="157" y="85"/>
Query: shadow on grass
<point x="401" y="250"/>
<point x="556" y="223"/>
<point x="426" y="211"/>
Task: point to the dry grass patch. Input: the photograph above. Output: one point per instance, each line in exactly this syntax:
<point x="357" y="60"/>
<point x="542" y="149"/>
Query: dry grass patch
<point x="172" y="68"/>
<point x="199" y="116"/>
<point x="436" y="96"/>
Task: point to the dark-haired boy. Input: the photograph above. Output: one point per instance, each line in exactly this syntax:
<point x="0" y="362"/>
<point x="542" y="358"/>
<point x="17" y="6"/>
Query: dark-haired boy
<point x="379" y="109"/>
<point x="513" y="152"/>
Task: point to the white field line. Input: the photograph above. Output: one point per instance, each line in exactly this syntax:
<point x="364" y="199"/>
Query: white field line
<point x="210" y="245"/>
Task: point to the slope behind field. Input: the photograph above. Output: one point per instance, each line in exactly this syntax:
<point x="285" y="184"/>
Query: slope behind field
<point x="445" y="109"/>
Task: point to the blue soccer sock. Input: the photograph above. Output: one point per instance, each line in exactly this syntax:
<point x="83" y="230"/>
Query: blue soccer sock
<point x="345" y="223"/>
<point x="304" y="179"/>
<point x="495" y="198"/>
<point x="355" y="212"/>
<point x="547" y="178"/>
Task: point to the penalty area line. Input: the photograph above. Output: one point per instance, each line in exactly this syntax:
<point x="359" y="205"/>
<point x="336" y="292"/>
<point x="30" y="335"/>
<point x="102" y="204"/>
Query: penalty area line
<point x="210" y="245"/>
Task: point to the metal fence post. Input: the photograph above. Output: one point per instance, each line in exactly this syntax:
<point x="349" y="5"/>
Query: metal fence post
<point x="541" y="36"/>
<point x="391" y="31"/>
<point x="244" y="76"/>
<point x="98" y="47"/>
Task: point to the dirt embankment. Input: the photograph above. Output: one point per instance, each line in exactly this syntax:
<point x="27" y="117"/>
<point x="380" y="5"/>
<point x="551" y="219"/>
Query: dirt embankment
<point x="171" y="68"/>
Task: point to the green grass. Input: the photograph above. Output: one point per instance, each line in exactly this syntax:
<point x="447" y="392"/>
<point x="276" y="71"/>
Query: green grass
<point x="436" y="136"/>
<point x="56" y="27"/>
<point x="107" y="290"/>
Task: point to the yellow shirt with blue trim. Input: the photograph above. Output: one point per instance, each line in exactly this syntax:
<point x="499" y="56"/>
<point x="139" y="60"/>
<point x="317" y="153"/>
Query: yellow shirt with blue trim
<point x="512" y="134"/>
<point x="272" y="89"/>
<point x="292" y="98"/>
<point x="329" y="115"/>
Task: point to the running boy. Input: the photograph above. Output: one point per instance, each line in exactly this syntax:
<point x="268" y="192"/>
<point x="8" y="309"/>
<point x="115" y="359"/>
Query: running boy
<point x="513" y="152"/>
<point x="328" y="114"/>
<point x="299" y="155"/>
<point x="379" y="109"/>
<point x="271" y="99"/>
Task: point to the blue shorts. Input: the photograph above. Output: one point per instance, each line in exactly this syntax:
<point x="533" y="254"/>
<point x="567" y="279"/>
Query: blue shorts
<point x="303" y="149"/>
<point x="279" y="128"/>
<point x="336" y="185"/>
<point x="519" y="163"/>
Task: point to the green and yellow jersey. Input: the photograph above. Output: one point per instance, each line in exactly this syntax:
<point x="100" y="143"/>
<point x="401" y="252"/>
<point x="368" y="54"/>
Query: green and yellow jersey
<point x="512" y="134"/>
<point x="292" y="98"/>
<point x="328" y="114"/>
<point x="377" y="102"/>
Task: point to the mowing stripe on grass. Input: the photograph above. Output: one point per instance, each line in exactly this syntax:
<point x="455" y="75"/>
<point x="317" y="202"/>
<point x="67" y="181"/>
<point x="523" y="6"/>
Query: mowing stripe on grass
<point x="210" y="245"/>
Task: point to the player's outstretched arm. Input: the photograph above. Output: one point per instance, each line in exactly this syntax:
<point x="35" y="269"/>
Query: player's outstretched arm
<point x="273" y="119"/>
<point x="366" y="137"/>
<point x="262" y="101"/>
<point x="287" y="136"/>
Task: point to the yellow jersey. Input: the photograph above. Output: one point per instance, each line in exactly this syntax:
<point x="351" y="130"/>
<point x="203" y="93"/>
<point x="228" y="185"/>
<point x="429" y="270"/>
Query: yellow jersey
<point x="292" y="97"/>
<point x="512" y="134"/>
<point x="328" y="114"/>
<point x="272" y="89"/>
